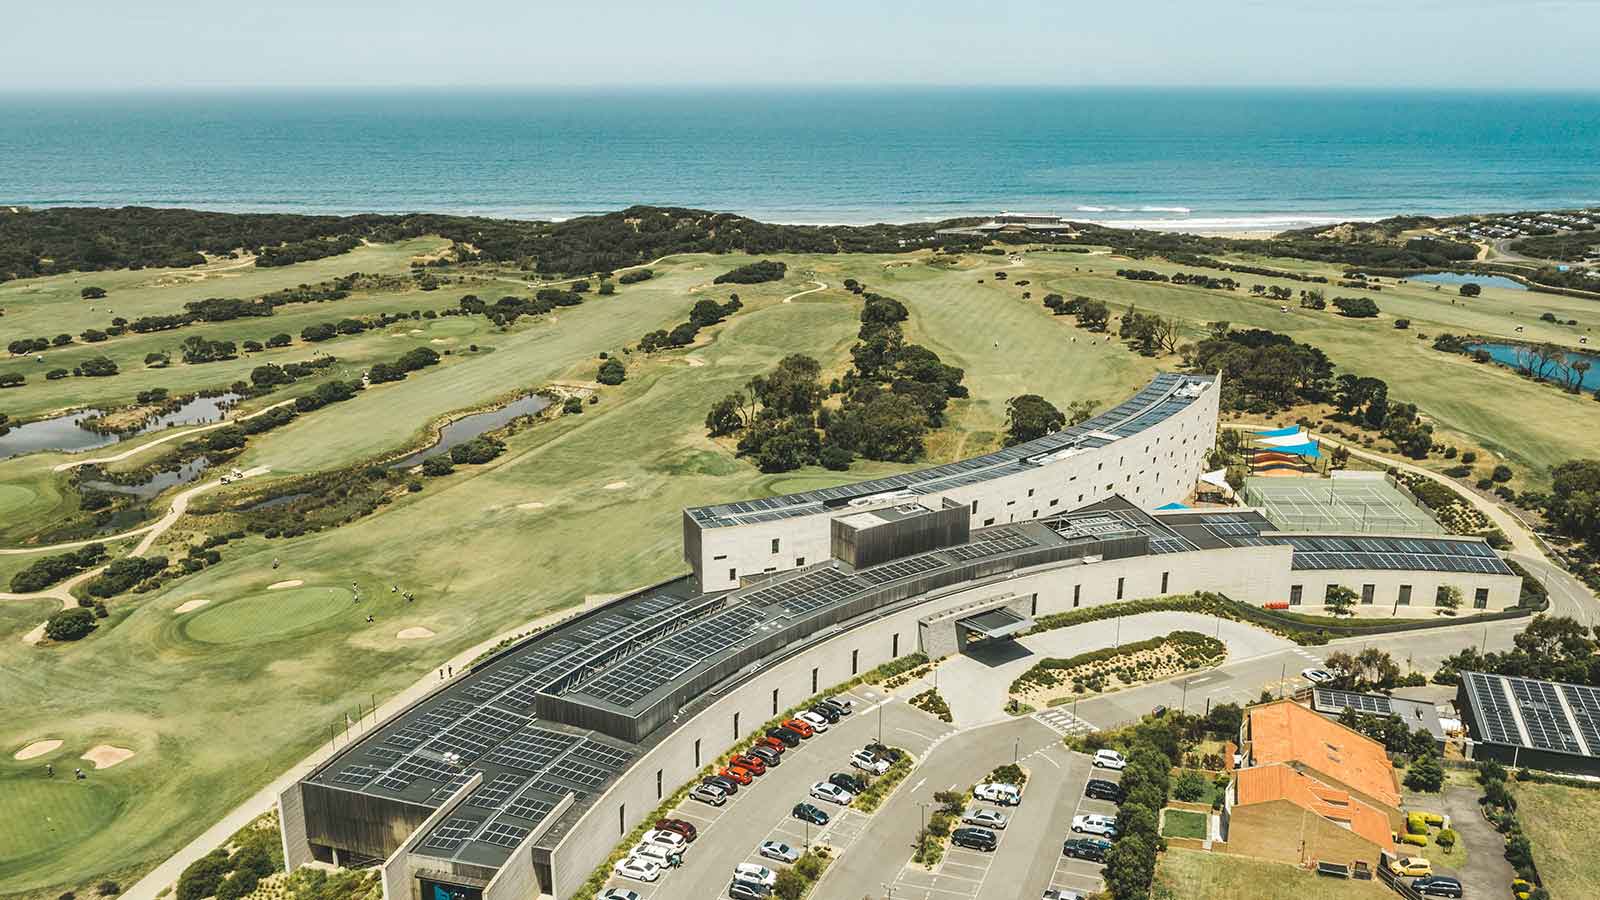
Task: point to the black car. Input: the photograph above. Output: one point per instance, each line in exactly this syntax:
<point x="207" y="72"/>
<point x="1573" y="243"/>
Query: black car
<point x="805" y="812"/>
<point x="1079" y="848"/>
<point x="827" y="712"/>
<point x="728" y="785"/>
<point x="748" y="890"/>
<point x="767" y="755"/>
<point x="883" y="752"/>
<point x="789" y="738"/>
<point x="1101" y="789"/>
<point x="974" y="838"/>
<point x="849" y="782"/>
<point x="1438" y="886"/>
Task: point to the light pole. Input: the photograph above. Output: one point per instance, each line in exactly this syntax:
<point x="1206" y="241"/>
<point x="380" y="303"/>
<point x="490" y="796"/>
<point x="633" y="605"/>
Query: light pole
<point x="1016" y="749"/>
<point x="1282" y="677"/>
<point x="1184" y="706"/>
<point x="1119" y="633"/>
<point x="880" y="721"/>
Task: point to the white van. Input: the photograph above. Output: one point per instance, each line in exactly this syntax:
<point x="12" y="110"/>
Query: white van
<point x="1003" y="794"/>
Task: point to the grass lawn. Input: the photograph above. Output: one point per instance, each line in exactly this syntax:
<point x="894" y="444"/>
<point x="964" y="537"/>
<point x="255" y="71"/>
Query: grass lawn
<point x="1198" y="875"/>
<point x="1182" y="823"/>
<point x="1557" y="820"/>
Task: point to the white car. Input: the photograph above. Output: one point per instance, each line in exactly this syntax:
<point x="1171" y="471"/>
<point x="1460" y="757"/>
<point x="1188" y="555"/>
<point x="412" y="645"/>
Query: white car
<point x="779" y="851"/>
<point x="817" y="723"/>
<point x="1003" y="794"/>
<point x="1317" y="676"/>
<point x="832" y="793"/>
<point x="705" y="793"/>
<point x="867" y="762"/>
<point x="637" y="869"/>
<point x="987" y="818"/>
<point x="656" y="853"/>
<point x="619" y="894"/>
<point x="669" y="839"/>
<point x="1105" y="826"/>
<point x="1109" y="759"/>
<point x="755" y="873"/>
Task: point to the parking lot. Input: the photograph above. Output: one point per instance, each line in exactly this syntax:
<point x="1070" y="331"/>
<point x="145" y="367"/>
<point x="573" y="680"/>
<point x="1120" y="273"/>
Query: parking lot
<point x="730" y="834"/>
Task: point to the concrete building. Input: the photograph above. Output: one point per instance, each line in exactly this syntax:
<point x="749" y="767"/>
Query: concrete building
<point x="1529" y="723"/>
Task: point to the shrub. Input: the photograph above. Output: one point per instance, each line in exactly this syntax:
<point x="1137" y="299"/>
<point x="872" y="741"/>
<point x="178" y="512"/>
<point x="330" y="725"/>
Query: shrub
<point x="69" y="625"/>
<point x="1190" y="787"/>
<point x="754" y="273"/>
<point x="203" y="876"/>
<point x="1446" y="838"/>
<point x="1418" y="840"/>
<point x="435" y="466"/>
<point x="611" y="372"/>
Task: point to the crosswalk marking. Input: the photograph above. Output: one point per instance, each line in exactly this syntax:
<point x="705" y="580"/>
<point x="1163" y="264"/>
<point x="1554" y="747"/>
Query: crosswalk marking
<point x="1063" y="722"/>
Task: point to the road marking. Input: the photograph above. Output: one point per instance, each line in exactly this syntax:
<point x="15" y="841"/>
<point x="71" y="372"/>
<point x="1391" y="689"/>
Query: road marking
<point x="926" y="737"/>
<point x="919" y="784"/>
<point x="1047" y="758"/>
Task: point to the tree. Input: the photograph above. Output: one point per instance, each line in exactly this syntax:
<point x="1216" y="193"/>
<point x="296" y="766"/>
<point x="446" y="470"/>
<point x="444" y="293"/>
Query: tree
<point x="1355" y="307"/>
<point x="417" y="358"/>
<point x="1448" y="599"/>
<point x="725" y="416"/>
<point x="70" y="624"/>
<point x="382" y="372"/>
<point x="790" y="885"/>
<point x="1093" y="315"/>
<point x="1470" y="290"/>
<point x="1426" y="774"/>
<point x="611" y="372"/>
<point x="1080" y="411"/>
<point x="97" y="367"/>
<point x="437" y="465"/>
<point x="1340" y="600"/>
<point x="1224" y="720"/>
<point x="1130" y="868"/>
<point x="1030" y="416"/>
<point x="92" y="293"/>
<point x="1190" y="787"/>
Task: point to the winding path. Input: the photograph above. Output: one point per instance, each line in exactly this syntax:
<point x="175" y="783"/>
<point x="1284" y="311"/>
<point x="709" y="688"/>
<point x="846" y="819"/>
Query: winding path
<point x="820" y="286"/>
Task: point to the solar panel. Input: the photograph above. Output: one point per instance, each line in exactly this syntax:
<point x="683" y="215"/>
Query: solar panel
<point x="522" y="696"/>
<point x="378" y="751"/>
<point x="416" y="767"/>
<point x="600" y="628"/>
<point x="532" y="749"/>
<point x="503" y="835"/>
<point x="1493" y="708"/>
<point x="546" y="786"/>
<point x="408" y="737"/>
<point x="530" y="807"/>
<point x="1543" y="716"/>
<point x="494" y="794"/>
<point x="547" y="652"/>
<point x="631" y="679"/>
<point x="465" y="744"/>
<point x="449" y="788"/>
<point x="356" y="775"/>
<point x="903" y="568"/>
<point x="1332" y="700"/>
<point x="451" y="833"/>
<point x="482" y="687"/>
<point x="1584" y="702"/>
<point x="603" y="755"/>
<point x="581" y="774"/>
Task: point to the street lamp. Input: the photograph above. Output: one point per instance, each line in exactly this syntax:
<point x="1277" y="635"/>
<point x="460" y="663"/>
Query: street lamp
<point x="1016" y="749"/>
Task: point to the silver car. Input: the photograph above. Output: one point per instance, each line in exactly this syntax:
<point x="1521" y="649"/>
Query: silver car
<point x="779" y="851"/>
<point x="988" y="818"/>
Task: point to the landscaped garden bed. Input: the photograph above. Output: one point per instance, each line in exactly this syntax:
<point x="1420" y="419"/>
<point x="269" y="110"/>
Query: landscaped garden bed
<point x="1054" y="680"/>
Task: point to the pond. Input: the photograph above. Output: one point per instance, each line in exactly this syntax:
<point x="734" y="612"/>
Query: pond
<point x="157" y="483"/>
<point x="1459" y="278"/>
<point x="1506" y="355"/>
<point x="468" y="427"/>
<point x="68" y="434"/>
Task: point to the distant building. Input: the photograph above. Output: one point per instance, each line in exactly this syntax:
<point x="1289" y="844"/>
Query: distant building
<point x="1531" y="723"/>
<point x="1417" y="714"/>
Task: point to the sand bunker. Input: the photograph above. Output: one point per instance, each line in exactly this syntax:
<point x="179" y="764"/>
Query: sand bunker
<point x="191" y="606"/>
<point x="695" y="362"/>
<point x="414" y="634"/>
<point x="531" y="504"/>
<point x="278" y="585"/>
<point x="34" y="636"/>
<point x="104" y="756"/>
<point x="438" y="341"/>
<point x="616" y="485"/>
<point x="37" y="748"/>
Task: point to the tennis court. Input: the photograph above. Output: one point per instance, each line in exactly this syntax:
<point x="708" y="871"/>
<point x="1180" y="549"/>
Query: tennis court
<point x="1350" y="501"/>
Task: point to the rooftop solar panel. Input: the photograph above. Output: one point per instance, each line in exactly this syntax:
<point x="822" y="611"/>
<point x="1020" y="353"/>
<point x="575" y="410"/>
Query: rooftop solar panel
<point x="356" y="775"/>
<point x="531" y="749"/>
<point x="451" y="833"/>
<point x="1332" y="700"/>
<point x="531" y="807"/>
<point x="494" y="794"/>
<point x="503" y="835"/>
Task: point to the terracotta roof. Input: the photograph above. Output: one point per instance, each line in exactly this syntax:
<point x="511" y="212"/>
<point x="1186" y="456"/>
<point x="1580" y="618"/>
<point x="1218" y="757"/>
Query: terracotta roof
<point x="1286" y="732"/>
<point x="1265" y="784"/>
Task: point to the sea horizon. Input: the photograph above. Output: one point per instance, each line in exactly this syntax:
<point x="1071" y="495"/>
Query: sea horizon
<point x="1220" y="159"/>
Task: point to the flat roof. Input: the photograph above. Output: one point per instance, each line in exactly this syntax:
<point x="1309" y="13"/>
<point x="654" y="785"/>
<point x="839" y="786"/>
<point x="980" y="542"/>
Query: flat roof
<point x="1533" y="714"/>
<point x="1166" y="395"/>
<point x="996" y="623"/>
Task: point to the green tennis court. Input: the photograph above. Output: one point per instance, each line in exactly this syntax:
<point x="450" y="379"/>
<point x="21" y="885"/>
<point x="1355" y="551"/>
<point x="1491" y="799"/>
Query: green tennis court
<point x="1354" y="502"/>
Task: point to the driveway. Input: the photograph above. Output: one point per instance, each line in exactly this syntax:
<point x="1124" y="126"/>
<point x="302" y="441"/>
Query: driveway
<point x="1486" y="873"/>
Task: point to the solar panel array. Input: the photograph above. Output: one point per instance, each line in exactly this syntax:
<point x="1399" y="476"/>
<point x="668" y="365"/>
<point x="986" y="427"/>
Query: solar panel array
<point x="494" y="794"/>
<point x="632" y="678"/>
<point x="993" y="543"/>
<point x="901" y="568"/>
<point x="605" y="755"/>
<point x="1154" y="403"/>
<point x="1493" y="708"/>
<point x="1543" y="716"/>
<point x="1374" y="704"/>
<point x="503" y="835"/>
<point x="1416" y="554"/>
<point x="532" y="748"/>
<point x="530" y="807"/>
<point x="719" y="632"/>
<point x="488" y="684"/>
<point x="356" y="774"/>
<point x="451" y="833"/>
<point x="1584" y="702"/>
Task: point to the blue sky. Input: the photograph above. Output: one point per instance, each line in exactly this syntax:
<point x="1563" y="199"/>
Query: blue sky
<point x="118" y="44"/>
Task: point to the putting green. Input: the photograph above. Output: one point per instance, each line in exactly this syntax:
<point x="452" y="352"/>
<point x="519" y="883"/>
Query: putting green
<point x="267" y="615"/>
<point x="40" y="818"/>
<point x="454" y="326"/>
<point x="14" y="497"/>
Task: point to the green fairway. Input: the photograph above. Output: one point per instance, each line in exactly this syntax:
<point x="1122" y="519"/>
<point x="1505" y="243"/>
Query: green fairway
<point x="46" y="817"/>
<point x="16" y="497"/>
<point x="266" y="615"/>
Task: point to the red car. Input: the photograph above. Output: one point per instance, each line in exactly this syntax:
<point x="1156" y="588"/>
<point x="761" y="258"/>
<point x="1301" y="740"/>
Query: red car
<point x="742" y="776"/>
<point x="803" y="729"/>
<point x="753" y="763"/>
<point x="680" y="826"/>
<point x="776" y="745"/>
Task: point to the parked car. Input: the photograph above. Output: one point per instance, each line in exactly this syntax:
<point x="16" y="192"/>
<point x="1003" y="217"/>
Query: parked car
<point x="883" y="752"/>
<point x="742" y="776"/>
<point x="827" y="712"/>
<point x="847" y="781"/>
<point x="974" y="839"/>
<point x="619" y="894"/>
<point x="832" y="793"/>
<point x="1317" y="676"/>
<point x="686" y="829"/>
<point x="779" y="851"/>
<point x="867" y="762"/>
<point x="1094" y="824"/>
<point x="844" y="705"/>
<point x="1109" y="759"/>
<point x="1159" y="711"/>
<point x="1078" y="848"/>
<point x="637" y="868"/>
<point x="755" y="764"/>
<point x="1101" y="789"/>
<point x="988" y="818"/>
<point x="807" y="812"/>
<point x="666" y="837"/>
<point x="1062" y="894"/>
<point x="789" y="737"/>
<point x="800" y="727"/>
<point x="754" y="873"/>
<point x="766" y="754"/>
<point x="1438" y="886"/>
<point x="744" y="890"/>
<point x="1003" y="794"/>
<point x="661" y="856"/>
<point x="771" y="742"/>
<point x="711" y="794"/>
<point x="1411" y="865"/>
<point x="728" y="785"/>
<point x="818" y="723"/>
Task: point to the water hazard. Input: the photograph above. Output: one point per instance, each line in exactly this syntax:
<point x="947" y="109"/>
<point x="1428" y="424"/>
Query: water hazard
<point x="468" y="427"/>
<point x="69" y="433"/>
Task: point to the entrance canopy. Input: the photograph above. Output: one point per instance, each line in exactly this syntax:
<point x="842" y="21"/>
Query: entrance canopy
<point x="996" y="623"/>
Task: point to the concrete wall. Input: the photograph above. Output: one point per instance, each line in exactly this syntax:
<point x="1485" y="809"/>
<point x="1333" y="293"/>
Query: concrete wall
<point x="292" y="827"/>
<point x="1156" y="466"/>
<point x="1504" y="591"/>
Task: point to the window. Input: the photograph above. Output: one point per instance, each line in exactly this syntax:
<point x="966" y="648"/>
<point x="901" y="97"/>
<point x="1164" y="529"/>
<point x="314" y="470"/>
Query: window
<point x="1080" y="498"/>
<point x="894" y="646"/>
<point x="1405" y="596"/>
<point x="989" y="521"/>
<point x="733" y="574"/>
<point x="658" y="784"/>
<point x="736" y="727"/>
<point x="974" y="507"/>
<point x="1164" y="576"/>
<point x="1367" y="592"/>
<point x="813" y="679"/>
<point x="1480" y="598"/>
<point x="774" y="701"/>
<point x="1030" y="492"/>
<point x="1055" y="501"/>
<point x="1120" y="582"/>
<point x="1034" y="610"/>
<point x="1296" y="592"/>
<point x="855" y="657"/>
<point x="697" y="753"/>
<point x="799" y="561"/>
<point x="622" y="818"/>
<point x="1077" y="595"/>
<point x="774" y="545"/>
<point x="720" y="556"/>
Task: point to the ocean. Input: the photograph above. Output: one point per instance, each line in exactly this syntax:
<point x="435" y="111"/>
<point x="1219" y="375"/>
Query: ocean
<point x="1202" y="159"/>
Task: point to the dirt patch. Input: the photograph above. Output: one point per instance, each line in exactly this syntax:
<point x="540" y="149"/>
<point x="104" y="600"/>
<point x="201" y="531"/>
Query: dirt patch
<point x="616" y="485"/>
<point x="34" y="636"/>
<point x="531" y="504"/>
<point x="417" y="633"/>
<point x="37" y="748"/>
<point x="279" y="585"/>
<point x="191" y="606"/>
<point x="696" y="362"/>
<point x="104" y="756"/>
<point x="439" y="341"/>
